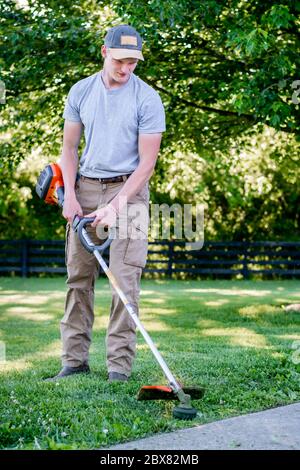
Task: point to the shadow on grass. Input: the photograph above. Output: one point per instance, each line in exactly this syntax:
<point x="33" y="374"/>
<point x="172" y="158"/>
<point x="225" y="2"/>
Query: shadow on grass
<point x="177" y="321"/>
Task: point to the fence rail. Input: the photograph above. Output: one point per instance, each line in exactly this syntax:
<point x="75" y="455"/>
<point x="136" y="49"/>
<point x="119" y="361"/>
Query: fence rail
<point x="171" y="258"/>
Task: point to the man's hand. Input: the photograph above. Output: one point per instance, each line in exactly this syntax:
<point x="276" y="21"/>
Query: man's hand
<point x="105" y="216"/>
<point x="71" y="208"/>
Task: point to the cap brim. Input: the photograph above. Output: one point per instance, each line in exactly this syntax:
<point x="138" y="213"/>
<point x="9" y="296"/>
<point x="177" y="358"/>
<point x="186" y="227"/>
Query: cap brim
<point x="126" y="54"/>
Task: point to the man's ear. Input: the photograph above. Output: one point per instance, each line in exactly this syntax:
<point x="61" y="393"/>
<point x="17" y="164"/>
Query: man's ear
<point x="103" y="51"/>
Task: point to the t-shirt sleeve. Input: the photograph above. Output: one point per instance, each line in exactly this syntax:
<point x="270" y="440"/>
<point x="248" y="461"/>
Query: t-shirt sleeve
<point x="71" y="111"/>
<point x="152" y="118"/>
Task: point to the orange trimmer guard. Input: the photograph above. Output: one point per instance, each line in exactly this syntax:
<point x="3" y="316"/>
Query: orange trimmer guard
<point x="163" y="392"/>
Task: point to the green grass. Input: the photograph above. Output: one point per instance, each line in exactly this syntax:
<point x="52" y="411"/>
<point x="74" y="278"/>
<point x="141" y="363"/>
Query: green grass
<point x="233" y="337"/>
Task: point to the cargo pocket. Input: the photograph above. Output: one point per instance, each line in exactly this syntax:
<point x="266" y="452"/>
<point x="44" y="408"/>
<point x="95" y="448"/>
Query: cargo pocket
<point x="137" y="247"/>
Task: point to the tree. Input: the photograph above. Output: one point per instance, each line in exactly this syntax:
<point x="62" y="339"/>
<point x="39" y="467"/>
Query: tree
<point x="226" y="71"/>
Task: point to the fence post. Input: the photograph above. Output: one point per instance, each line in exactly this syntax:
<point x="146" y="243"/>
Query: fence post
<point x="245" y="260"/>
<point x="24" y="258"/>
<point x="170" y="259"/>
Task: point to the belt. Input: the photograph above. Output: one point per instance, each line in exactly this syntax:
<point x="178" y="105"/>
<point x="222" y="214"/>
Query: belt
<point x="113" y="179"/>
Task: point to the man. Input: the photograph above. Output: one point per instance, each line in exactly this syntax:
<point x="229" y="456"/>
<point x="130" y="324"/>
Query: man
<point x="123" y="120"/>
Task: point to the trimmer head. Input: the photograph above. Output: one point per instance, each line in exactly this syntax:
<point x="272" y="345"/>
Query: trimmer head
<point x="163" y="392"/>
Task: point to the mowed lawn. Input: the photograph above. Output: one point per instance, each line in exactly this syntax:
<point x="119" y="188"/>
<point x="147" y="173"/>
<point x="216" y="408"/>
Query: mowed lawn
<point x="232" y="337"/>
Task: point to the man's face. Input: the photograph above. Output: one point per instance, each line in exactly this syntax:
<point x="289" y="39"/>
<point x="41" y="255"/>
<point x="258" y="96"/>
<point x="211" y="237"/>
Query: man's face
<point x="118" y="70"/>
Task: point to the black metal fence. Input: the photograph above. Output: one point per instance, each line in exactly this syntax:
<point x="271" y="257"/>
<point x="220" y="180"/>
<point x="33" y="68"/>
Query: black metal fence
<point x="166" y="258"/>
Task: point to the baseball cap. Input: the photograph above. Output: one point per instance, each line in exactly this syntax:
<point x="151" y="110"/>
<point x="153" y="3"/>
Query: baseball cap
<point x="124" y="42"/>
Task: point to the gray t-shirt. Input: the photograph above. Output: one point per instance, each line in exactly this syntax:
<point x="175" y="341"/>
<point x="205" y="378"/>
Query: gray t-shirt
<point x="112" y="121"/>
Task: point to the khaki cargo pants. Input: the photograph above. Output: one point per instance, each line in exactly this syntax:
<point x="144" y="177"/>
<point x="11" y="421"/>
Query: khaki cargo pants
<point x="127" y="258"/>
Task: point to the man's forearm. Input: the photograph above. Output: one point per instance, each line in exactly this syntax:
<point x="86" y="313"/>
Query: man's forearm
<point x="69" y="165"/>
<point x="135" y="182"/>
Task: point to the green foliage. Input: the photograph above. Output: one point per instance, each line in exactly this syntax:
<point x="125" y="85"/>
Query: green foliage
<point x="23" y="214"/>
<point x="249" y="193"/>
<point x="226" y="71"/>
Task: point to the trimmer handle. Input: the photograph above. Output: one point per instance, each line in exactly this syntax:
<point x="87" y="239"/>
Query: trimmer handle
<point x="79" y="224"/>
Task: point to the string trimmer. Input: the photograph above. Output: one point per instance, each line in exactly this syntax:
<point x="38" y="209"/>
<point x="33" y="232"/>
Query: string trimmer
<point x="174" y="391"/>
